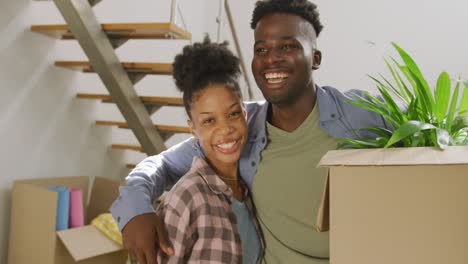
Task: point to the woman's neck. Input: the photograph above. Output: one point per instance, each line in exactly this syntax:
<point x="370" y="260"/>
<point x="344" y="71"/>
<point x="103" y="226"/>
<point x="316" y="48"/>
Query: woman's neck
<point x="229" y="174"/>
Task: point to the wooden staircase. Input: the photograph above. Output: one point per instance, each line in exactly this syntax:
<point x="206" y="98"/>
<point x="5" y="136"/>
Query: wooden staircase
<point x="101" y="56"/>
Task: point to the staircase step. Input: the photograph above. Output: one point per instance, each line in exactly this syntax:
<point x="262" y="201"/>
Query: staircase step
<point x="91" y="2"/>
<point x="121" y="31"/>
<point x="162" y="101"/>
<point x="162" y="128"/>
<point x="130" y="67"/>
<point x="127" y="147"/>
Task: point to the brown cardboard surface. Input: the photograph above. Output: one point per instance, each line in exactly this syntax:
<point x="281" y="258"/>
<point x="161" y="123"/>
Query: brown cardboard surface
<point x="103" y="194"/>
<point x="323" y="221"/>
<point x="393" y="206"/>
<point x="33" y="238"/>
<point x="395" y="156"/>
<point x="86" y="242"/>
<point x="32" y="216"/>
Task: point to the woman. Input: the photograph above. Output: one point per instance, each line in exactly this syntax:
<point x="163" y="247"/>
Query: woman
<point x="209" y="214"/>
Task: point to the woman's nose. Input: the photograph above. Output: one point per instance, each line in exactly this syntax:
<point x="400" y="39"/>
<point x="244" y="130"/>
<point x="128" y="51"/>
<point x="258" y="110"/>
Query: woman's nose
<point x="226" y="127"/>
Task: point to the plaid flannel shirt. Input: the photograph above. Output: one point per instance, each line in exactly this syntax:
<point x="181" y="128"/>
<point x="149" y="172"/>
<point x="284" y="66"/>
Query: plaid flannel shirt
<point x="199" y="219"/>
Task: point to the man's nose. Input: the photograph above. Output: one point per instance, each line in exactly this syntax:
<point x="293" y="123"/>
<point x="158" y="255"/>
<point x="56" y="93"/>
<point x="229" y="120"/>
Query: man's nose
<point x="274" y="56"/>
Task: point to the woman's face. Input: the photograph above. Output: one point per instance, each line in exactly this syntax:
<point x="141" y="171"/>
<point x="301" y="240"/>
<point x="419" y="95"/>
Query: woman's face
<point x="218" y="122"/>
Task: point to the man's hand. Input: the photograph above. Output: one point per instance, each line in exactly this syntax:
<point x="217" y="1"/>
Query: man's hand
<point x="141" y="236"/>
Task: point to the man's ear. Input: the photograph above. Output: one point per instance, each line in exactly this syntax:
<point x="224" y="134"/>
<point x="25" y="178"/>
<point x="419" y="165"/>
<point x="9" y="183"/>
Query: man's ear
<point x="317" y="59"/>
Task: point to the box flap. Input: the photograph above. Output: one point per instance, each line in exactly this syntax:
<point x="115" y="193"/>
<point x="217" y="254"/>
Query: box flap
<point x="323" y="216"/>
<point x="86" y="242"/>
<point x="396" y="156"/>
<point x="103" y="194"/>
<point x="32" y="215"/>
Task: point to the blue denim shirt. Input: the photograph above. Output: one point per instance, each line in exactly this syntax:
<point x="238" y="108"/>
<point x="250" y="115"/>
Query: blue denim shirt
<point x="151" y="176"/>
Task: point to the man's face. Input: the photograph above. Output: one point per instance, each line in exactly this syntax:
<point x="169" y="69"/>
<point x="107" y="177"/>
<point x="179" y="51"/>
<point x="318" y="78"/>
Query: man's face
<point x="284" y="55"/>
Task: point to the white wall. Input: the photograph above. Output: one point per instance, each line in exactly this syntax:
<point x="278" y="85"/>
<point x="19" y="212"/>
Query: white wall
<point x="44" y="130"/>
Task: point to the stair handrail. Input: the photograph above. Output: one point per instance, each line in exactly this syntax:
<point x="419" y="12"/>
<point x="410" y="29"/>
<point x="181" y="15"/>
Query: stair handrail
<point x="232" y="27"/>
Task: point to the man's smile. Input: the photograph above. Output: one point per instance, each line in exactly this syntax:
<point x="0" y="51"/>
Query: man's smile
<point x="276" y="77"/>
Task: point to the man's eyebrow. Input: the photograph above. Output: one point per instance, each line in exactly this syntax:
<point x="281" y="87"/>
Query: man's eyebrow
<point x="258" y="42"/>
<point x="282" y="38"/>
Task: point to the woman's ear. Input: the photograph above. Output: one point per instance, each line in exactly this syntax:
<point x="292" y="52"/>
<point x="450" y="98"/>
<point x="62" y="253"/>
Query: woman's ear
<point x="192" y="129"/>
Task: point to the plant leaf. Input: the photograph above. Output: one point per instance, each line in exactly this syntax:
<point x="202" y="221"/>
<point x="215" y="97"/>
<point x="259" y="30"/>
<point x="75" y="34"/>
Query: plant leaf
<point x="460" y="122"/>
<point x="424" y="100"/>
<point x="348" y="143"/>
<point x="413" y="67"/>
<point x="463" y="109"/>
<point x="389" y="86"/>
<point x="408" y="129"/>
<point x="442" y="96"/>
<point x="405" y="87"/>
<point x="443" y="138"/>
<point x="396" y="78"/>
<point x="461" y="137"/>
<point x="452" y="109"/>
<point x="395" y="110"/>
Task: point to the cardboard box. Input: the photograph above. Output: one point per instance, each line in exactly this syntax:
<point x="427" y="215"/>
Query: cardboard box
<point x="398" y="206"/>
<point x="33" y="238"/>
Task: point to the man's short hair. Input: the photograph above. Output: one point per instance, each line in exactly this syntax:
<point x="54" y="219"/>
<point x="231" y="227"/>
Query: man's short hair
<point x="302" y="8"/>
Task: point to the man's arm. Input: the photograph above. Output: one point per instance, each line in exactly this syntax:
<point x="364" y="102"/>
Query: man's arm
<point x="143" y="230"/>
<point x="149" y="179"/>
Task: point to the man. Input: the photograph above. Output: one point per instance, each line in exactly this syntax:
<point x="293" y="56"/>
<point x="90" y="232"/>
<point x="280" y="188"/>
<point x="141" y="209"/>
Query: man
<point x="288" y="134"/>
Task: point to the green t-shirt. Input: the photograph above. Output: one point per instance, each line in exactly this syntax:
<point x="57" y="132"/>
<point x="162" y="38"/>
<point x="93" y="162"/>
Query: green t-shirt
<point x="288" y="189"/>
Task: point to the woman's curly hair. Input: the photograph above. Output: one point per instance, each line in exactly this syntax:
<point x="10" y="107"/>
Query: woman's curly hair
<point x="302" y="8"/>
<point x="203" y="64"/>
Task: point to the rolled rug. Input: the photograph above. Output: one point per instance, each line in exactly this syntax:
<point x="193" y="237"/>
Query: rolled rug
<point x="63" y="207"/>
<point x="76" y="208"/>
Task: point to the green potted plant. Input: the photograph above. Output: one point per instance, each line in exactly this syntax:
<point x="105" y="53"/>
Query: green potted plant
<point x="406" y="204"/>
<point x="438" y="119"/>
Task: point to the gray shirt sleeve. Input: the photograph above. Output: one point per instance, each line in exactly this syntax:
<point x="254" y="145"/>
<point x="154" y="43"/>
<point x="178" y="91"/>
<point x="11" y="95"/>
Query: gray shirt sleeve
<point x="149" y="179"/>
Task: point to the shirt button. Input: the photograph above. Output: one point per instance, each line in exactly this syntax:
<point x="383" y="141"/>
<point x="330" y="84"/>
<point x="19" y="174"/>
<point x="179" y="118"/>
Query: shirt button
<point x="253" y="163"/>
<point x="263" y="140"/>
<point x="333" y="115"/>
<point x="118" y="219"/>
<point x="255" y="136"/>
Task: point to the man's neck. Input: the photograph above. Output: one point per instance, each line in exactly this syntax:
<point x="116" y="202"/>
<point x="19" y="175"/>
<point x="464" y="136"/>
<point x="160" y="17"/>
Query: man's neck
<point x="290" y="117"/>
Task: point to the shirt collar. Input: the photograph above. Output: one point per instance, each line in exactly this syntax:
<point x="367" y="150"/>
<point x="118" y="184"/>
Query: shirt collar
<point x="209" y="176"/>
<point x="326" y="103"/>
<point x="257" y="133"/>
